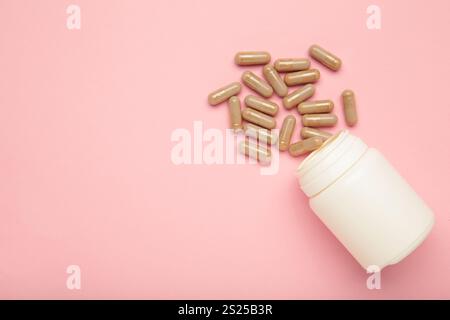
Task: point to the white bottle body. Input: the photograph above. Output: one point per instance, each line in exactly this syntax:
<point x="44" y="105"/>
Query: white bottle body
<point x="371" y="209"/>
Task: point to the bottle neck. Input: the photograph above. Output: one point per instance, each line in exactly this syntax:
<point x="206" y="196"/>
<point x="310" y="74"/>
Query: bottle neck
<point x="324" y="166"/>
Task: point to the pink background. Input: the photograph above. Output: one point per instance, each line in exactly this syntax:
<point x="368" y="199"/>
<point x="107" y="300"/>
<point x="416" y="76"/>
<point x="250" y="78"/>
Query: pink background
<point x="86" y="176"/>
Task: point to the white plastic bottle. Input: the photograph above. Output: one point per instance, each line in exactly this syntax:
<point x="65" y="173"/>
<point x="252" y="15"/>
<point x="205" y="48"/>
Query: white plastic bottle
<point x="362" y="199"/>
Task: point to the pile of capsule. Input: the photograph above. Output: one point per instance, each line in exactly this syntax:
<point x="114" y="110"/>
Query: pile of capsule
<point x="259" y="112"/>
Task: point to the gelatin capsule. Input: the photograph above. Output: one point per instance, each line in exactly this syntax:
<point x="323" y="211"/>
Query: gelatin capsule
<point x="250" y="58"/>
<point x="287" y="129"/>
<point x="305" y="146"/>
<point x="326" y="58"/>
<point x="351" y="116"/>
<point x="307" y="132"/>
<point x="257" y="84"/>
<point x="291" y="65"/>
<point x="319" y="120"/>
<point x="319" y="106"/>
<point x="224" y="93"/>
<point x="253" y="150"/>
<point x="274" y="79"/>
<point x="302" y="77"/>
<point x="234" y="107"/>
<point x="298" y="96"/>
<point x="259" y="118"/>
<point x="263" y="135"/>
<point x="261" y="104"/>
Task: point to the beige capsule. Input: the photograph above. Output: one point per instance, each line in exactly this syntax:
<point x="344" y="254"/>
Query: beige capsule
<point x="348" y="99"/>
<point x="298" y="96"/>
<point x="307" y="132"/>
<point x="259" y="118"/>
<point x="324" y="57"/>
<point x="319" y="120"/>
<point x="304" y="146"/>
<point x="261" y="104"/>
<point x="224" y="93"/>
<point x="263" y="135"/>
<point x="253" y="150"/>
<point x="302" y="77"/>
<point x="234" y="107"/>
<point x="250" y="58"/>
<point x="257" y="84"/>
<point x="287" y="129"/>
<point x="274" y="79"/>
<point x="291" y="65"/>
<point x="319" y="106"/>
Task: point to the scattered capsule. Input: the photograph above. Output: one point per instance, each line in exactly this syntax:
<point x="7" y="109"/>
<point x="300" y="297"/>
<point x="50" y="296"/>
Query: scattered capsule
<point x="298" y="96"/>
<point x="261" y="134"/>
<point x="224" y="93"/>
<point x="319" y="120"/>
<point x="319" y="106"/>
<point x="302" y="77"/>
<point x="305" y="146"/>
<point x="259" y="118"/>
<point x="287" y="129"/>
<point x="351" y="116"/>
<point x="257" y="84"/>
<point x="326" y="58"/>
<point x="234" y="107"/>
<point x="274" y="79"/>
<point x="249" y="58"/>
<point x="291" y="65"/>
<point x="255" y="151"/>
<point x="261" y="104"/>
<point x="306" y="133"/>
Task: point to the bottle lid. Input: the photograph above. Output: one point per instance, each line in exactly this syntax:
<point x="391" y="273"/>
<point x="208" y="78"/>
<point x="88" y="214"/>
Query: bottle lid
<point x="328" y="163"/>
